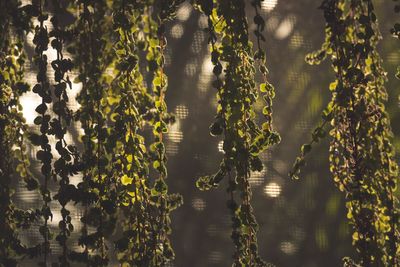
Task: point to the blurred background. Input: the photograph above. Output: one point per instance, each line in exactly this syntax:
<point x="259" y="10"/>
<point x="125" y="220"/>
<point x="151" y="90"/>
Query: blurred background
<point x="302" y="222"/>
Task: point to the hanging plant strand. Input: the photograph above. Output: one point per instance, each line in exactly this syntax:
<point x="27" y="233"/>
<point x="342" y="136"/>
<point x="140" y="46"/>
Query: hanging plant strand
<point x="14" y="24"/>
<point x="145" y="203"/>
<point x="361" y="155"/>
<point x="84" y="115"/>
<point x="163" y="202"/>
<point x="42" y="88"/>
<point x="67" y="164"/>
<point x="236" y="119"/>
<point x="92" y="59"/>
<point x="135" y="247"/>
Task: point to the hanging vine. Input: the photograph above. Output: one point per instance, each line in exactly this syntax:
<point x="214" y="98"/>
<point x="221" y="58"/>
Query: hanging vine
<point x="68" y="162"/>
<point x="266" y="88"/>
<point x="126" y="160"/>
<point x="14" y="21"/>
<point x="42" y="88"/>
<point x="93" y="56"/>
<point x="361" y="155"/>
<point x="164" y="203"/>
<point x="243" y="140"/>
<point x="136" y="245"/>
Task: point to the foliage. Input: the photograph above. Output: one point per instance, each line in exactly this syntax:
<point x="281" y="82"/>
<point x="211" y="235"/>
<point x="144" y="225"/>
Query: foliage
<point x="42" y="88"/>
<point x="144" y="200"/>
<point x="117" y="159"/>
<point x="14" y="21"/>
<point x="361" y="155"/>
<point x="66" y="165"/>
<point x="91" y="57"/>
<point x="243" y="140"/>
<point x="117" y="49"/>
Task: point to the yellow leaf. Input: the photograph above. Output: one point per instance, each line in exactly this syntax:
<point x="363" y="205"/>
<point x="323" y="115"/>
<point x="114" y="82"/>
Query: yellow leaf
<point x="142" y="147"/>
<point x="125" y="180"/>
<point x="333" y="85"/>
<point x="112" y="100"/>
<point x="135" y="196"/>
<point x="355" y="236"/>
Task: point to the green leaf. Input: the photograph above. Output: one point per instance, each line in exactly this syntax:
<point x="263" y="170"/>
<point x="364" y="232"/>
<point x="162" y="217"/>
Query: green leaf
<point x="126" y="180"/>
<point x="160" y="187"/>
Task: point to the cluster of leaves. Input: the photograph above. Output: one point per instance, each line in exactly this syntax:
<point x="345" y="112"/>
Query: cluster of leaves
<point x="97" y="195"/>
<point x="115" y="109"/>
<point x="163" y="202"/>
<point x="68" y="163"/>
<point x="131" y="164"/>
<point x="143" y="198"/>
<point x="361" y="155"/>
<point x="54" y="122"/>
<point x="116" y="106"/>
<point x="235" y="69"/>
<point x="44" y="155"/>
<point x="14" y="21"/>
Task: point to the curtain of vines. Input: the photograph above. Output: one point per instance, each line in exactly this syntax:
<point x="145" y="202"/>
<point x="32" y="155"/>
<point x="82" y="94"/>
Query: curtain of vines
<point x="117" y="103"/>
<point x="117" y="50"/>
<point x="361" y="155"/>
